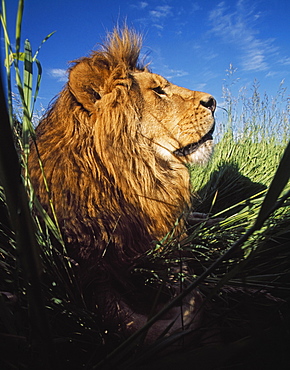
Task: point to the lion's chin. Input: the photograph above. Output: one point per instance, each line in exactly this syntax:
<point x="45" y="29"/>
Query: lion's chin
<point x="198" y="152"/>
<point x="201" y="155"/>
<point x="194" y="147"/>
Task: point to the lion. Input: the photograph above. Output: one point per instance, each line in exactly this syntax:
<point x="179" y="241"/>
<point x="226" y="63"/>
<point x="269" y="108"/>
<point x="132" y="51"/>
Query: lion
<point x="114" y="146"/>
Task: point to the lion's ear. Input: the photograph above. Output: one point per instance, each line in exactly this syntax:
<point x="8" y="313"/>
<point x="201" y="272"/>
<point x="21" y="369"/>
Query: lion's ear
<point x="85" y="83"/>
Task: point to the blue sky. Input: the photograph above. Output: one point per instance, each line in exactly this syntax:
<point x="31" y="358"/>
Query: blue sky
<point x="192" y="43"/>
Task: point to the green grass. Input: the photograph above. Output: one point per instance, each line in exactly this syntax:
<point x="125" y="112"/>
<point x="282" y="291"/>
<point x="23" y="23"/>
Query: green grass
<point x="241" y="264"/>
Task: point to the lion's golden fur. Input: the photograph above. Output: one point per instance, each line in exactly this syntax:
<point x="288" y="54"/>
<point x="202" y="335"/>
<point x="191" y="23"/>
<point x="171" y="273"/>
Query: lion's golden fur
<point x="107" y="147"/>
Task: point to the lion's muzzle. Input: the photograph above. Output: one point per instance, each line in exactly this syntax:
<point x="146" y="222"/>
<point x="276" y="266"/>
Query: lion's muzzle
<point x="193" y="147"/>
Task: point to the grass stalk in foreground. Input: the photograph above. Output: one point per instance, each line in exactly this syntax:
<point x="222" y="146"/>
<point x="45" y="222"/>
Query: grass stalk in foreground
<point x="15" y="184"/>
<point x="24" y="228"/>
<point x="268" y="208"/>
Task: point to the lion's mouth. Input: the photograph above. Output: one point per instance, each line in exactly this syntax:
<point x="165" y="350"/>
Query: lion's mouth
<point x="191" y="148"/>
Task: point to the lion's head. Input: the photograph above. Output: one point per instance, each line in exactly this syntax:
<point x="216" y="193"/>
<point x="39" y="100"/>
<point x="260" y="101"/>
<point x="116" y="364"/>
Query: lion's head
<point x="114" y="147"/>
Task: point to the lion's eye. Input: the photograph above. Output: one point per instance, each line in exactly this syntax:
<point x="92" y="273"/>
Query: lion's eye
<point x="159" y="90"/>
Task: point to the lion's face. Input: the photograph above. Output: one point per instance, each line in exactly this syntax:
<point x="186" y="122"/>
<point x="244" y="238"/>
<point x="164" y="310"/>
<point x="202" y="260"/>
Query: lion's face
<point x="175" y="122"/>
<point x="179" y="122"/>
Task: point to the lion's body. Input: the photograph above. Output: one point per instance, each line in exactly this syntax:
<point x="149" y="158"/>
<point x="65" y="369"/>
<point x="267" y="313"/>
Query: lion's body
<point x="114" y="147"/>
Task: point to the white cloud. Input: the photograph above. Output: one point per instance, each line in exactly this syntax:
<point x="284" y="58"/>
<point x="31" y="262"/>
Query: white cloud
<point x="140" y="5"/>
<point x="200" y="86"/>
<point x="236" y="28"/>
<point x="272" y="74"/>
<point x="58" y="73"/>
<point x="153" y="15"/>
<point x="195" y="7"/>
<point x="162" y="68"/>
<point x="158" y="26"/>
<point x="285" y="61"/>
<point x="143" y="4"/>
<point x="173" y="73"/>
<point x="161" y="11"/>
<point x="210" y="56"/>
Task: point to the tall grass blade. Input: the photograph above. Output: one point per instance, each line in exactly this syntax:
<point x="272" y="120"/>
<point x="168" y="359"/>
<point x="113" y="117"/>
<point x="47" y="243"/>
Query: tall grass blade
<point x="19" y="26"/>
<point x="37" y="86"/>
<point x="27" y="76"/>
<point x="42" y="42"/>
<point x="39" y="71"/>
<point x="279" y="182"/>
<point x="7" y="64"/>
<point x="27" y="87"/>
<point x="24" y="228"/>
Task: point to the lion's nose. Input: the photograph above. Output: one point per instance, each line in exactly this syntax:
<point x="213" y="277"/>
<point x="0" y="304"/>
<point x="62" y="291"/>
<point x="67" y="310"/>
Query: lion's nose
<point x="208" y="102"/>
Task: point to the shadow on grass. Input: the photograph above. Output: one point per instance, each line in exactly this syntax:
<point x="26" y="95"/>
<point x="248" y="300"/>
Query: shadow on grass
<point x="225" y="188"/>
